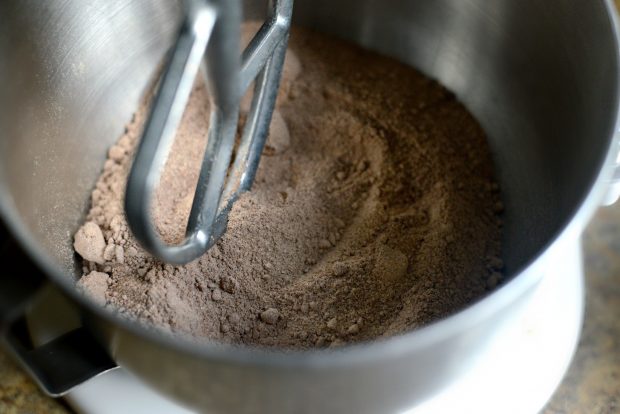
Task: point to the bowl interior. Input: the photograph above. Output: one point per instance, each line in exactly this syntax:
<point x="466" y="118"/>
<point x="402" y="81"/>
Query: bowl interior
<point x="541" y="77"/>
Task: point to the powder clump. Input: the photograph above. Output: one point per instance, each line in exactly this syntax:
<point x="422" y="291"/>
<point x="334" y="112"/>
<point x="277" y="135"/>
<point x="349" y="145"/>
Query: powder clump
<point x="89" y="243"/>
<point x="95" y="284"/>
<point x="374" y="211"/>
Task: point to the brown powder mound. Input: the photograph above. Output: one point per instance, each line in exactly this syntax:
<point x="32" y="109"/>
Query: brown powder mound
<point x="373" y="213"/>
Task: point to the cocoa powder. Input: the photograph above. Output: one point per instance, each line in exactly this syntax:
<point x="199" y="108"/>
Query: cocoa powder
<point x="374" y="212"/>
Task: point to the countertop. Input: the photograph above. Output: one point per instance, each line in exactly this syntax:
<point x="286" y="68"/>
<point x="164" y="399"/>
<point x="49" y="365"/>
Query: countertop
<point x="19" y="395"/>
<point x="592" y="384"/>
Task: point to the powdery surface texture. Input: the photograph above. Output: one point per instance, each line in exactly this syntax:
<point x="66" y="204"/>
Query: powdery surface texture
<point x="374" y="212"/>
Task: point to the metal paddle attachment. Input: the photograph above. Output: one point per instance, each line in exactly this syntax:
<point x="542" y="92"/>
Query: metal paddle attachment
<point x="209" y="33"/>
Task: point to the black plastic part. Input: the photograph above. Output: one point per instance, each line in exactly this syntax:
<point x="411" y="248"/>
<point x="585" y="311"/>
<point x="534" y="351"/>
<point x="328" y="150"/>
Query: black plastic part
<point x="60" y="364"/>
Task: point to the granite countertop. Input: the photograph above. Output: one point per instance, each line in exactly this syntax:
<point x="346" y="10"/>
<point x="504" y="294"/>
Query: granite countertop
<point x="19" y="395"/>
<point x="592" y="384"/>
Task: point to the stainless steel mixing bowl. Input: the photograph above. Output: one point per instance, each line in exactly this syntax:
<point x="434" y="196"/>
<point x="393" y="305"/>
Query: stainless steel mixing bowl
<point x="541" y="76"/>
